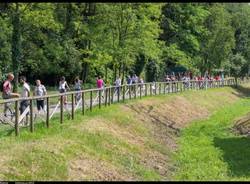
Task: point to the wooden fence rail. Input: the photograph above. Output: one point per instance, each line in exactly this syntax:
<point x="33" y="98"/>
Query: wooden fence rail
<point x="105" y="96"/>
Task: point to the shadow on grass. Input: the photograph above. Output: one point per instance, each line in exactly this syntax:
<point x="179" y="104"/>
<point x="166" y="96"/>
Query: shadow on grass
<point x="236" y="153"/>
<point x="242" y="91"/>
<point x="6" y="131"/>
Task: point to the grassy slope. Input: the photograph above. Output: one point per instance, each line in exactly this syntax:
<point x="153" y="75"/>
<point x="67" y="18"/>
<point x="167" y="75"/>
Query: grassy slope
<point x="113" y="144"/>
<point x="210" y="151"/>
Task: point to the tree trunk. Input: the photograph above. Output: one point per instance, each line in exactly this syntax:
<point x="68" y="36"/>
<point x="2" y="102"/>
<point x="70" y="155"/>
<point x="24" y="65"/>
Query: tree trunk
<point x="115" y="72"/>
<point x="106" y="73"/>
<point x="16" y="45"/>
<point x="119" y="70"/>
<point x="236" y="82"/>
<point x="68" y="22"/>
<point x="84" y="72"/>
<point x="123" y="72"/>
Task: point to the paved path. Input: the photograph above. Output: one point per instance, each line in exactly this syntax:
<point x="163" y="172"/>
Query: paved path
<point x="55" y="108"/>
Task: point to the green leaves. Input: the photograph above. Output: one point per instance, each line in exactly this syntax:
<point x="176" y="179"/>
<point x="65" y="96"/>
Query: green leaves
<point x="89" y="39"/>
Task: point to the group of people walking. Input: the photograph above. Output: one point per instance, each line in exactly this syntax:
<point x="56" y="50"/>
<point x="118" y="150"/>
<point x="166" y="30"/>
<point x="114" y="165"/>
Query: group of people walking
<point x="39" y="90"/>
<point x="186" y="77"/>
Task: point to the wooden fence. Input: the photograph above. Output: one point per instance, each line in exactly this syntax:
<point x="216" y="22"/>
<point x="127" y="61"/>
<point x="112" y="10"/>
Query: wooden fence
<point x="86" y="99"/>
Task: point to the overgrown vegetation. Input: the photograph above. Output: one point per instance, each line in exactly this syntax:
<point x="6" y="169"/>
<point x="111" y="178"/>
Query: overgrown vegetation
<point x="210" y="150"/>
<point x="48" y="40"/>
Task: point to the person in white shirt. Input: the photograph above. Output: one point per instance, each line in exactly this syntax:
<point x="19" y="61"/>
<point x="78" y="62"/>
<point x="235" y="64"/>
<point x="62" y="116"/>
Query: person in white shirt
<point x="40" y="90"/>
<point x="77" y="87"/>
<point x="118" y="83"/>
<point x="62" y="88"/>
<point x="25" y="93"/>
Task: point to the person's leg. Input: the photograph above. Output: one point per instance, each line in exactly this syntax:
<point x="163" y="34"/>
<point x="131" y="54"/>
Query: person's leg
<point x="22" y="108"/>
<point x="76" y="98"/>
<point x="38" y="106"/>
<point x="42" y="104"/>
<point x="26" y="104"/>
<point x="64" y="100"/>
<point x="5" y="109"/>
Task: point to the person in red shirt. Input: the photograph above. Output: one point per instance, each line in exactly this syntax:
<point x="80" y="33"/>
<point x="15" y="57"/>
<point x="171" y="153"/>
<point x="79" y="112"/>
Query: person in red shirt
<point x="100" y="85"/>
<point x="7" y="91"/>
<point x="99" y="82"/>
<point x="7" y="88"/>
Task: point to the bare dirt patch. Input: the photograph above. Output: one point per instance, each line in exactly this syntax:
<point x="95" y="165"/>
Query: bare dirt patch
<point x="85" y="168"/>
<point x="101" y="125"/>
<point x="157" y="161"/>
<point x="242" y="125"/>
<point x="167" y="117"/>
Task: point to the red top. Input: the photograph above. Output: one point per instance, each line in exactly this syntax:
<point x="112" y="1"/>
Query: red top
<point x="99" y="83"/>
<point x="7" y="87"/>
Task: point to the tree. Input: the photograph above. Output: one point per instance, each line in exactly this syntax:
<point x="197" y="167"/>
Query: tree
<point x="183" y="29"/>
<point x="236" y="63"/>
<point x="219" y="41"/>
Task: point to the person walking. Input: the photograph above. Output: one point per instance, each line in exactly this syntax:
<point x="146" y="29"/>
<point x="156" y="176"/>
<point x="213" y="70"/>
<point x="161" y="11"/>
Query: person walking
<point x="77" y="87"/>
<point x="25" y="93"/>
<point x="7" y="92"/>
<point x="63" y="87"/>
<point x="40" y="91"/>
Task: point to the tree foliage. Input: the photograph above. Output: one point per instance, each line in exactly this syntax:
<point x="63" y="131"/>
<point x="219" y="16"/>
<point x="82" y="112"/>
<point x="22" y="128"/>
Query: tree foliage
<point x="49" y="40"/>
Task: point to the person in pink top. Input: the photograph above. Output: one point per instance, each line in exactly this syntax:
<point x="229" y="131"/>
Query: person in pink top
<point x="99" y="82"/>
<point x="7" y="91"/>
<point x="100" y="85"/>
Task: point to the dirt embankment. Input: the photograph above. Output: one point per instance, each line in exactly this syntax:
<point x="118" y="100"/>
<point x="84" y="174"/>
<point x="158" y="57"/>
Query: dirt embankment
<point x="163" y="118"/>
<point x="242" y="125"/>
<point x="166" y="118"/>
<point x="133" y="141"/>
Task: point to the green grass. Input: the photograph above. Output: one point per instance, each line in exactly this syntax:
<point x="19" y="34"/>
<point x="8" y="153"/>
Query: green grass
<point x="206" y="148"/>
<point x="209" y="151"/>
<point x="29" y="151"/>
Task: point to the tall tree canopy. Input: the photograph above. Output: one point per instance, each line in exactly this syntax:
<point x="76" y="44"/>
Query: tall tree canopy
<point x="49" y="40"/>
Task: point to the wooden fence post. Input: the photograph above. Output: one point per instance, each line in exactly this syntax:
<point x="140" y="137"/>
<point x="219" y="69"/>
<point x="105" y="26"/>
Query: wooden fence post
<point x="83" y="103"/>
<point x="91" y="100"/>
<point x="47" y="112"/>
<point x="109" y="96"/>
<point x="112" y="95"/>
<point x="123" y="92"/>
<point x="164" y="88"/>
<point x="135" y="90"/>
<point x="73" y="106"/>
<point x="31" y="116"/>
<point x="106" y="96"/>
<point x="155" y="83"/>
<point x="16" y="118"/>
<point x="159" y="88"/>
<point x="118" y="93"/>
<point x="129" y="92"/>
<point x="100" y="98"/>
<point x="61" y="109"/>
<point x="150" y="89"/>
<point x="140" y="91"/>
